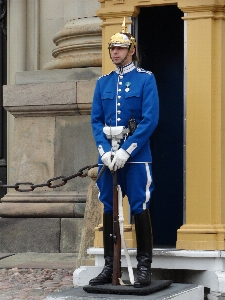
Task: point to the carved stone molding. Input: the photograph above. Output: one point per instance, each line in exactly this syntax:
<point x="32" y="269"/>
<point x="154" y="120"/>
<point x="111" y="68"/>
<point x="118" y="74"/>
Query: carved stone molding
<point x="205" y="15"/>
<point x="78" y="45"/>
<point x="117" y="13"/>
<point x="49" y="99"/>
<point x="118" y="1"/>
<point x="214" y="11"/>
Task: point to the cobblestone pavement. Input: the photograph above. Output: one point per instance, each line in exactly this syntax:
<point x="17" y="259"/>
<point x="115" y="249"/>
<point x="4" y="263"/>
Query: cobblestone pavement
<point x="33" y="284"/>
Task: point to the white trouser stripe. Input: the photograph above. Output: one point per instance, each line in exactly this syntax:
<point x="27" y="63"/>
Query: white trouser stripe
<point x="121" y="224"/>
<point x="149" y="181"/>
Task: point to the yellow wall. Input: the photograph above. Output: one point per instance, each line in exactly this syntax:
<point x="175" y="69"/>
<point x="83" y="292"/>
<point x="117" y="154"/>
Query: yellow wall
<point x="204" y="228"/>
<point x="205" y="124"/>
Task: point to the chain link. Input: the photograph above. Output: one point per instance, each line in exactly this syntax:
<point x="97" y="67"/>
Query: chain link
<point x="49" y="183"/>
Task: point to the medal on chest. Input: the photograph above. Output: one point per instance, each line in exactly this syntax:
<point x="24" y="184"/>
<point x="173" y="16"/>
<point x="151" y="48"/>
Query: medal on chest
<point x="127" y="86"/>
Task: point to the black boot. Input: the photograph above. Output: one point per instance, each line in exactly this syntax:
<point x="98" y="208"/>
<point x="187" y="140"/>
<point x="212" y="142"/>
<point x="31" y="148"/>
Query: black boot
<point x="106" y="275"/>
<point x="144" y="248"/>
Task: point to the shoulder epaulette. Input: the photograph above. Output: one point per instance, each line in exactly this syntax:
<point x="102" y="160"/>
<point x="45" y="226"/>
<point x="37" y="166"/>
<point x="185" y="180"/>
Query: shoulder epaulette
<point x="140" y="70"/>
<point x="105" y="74"/>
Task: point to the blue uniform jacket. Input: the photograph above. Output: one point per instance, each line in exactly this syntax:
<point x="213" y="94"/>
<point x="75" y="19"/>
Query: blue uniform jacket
<point x="116" y="95"/>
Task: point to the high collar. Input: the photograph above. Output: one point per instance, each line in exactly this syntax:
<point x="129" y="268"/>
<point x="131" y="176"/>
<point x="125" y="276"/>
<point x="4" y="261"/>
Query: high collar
<point x="125" y="69"/>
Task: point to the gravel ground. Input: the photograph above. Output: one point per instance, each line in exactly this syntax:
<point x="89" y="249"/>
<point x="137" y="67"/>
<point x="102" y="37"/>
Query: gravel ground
<point x="33" y="284"/>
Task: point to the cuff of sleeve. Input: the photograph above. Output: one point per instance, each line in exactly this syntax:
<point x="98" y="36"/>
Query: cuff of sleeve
<point x="132" y="147"/>
<point x="100" y="150"/>
<point x="126" y="154"/>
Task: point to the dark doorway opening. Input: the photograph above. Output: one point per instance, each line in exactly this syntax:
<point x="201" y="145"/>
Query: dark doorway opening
<point x="3" y="81"/>
<point x="161" y="50"/>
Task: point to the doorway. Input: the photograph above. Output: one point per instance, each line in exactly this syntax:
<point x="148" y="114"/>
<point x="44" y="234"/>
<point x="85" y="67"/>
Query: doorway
<point x="160" y="34"/>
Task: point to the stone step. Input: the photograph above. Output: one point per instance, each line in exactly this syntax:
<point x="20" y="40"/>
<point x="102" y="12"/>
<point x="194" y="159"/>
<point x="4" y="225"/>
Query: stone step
<point x="175" y="291"/>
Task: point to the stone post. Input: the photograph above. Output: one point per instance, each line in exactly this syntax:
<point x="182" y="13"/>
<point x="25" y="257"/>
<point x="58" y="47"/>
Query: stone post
<point x="49" y="132"/>
<point x="52" y="137"/>
<point x="92" y="217"/>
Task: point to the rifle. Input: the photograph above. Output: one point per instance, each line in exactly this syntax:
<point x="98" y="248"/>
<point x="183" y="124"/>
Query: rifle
<point x="115" y="134"/>
<point x="116" y="234"/>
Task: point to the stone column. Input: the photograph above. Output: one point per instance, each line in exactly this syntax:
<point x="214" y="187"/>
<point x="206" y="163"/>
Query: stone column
<point x="78" y="44"/>
<point x="16" y="54"/>
<point x="33" y="35"/>
<point x="29" y="25"/>
<point x="205" y="127"/>
<point x="17" y="40"/>
<point x="78" y="33"/>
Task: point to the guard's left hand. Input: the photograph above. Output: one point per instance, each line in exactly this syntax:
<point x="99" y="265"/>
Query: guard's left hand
<point x="119" y="160"/>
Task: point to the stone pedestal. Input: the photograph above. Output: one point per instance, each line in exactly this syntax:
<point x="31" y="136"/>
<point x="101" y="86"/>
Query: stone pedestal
<point x="40" y="235"/>
<point x="52" y="137"/>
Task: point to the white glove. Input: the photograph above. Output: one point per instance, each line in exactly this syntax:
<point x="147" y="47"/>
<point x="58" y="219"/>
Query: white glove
<point x="119" y="159"/>
<point x="106" y="158"/>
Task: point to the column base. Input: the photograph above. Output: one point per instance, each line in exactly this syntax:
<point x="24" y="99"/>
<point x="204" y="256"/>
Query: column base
<point x="69" y="204"/>
<point x="201" y="237"/>
<point x="40" y="235"/>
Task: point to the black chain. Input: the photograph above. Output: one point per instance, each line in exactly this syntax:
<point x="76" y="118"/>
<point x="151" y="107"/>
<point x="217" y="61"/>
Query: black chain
<point x="49" y="184"/>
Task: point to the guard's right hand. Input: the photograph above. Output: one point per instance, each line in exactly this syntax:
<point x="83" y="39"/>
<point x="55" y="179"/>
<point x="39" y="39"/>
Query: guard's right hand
<point x="119" y="160"/>
<point x="107" y="158"/>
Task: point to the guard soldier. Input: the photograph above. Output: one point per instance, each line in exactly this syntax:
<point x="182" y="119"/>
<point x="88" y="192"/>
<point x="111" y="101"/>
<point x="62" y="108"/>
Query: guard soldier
<point x="126" y="97"/>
